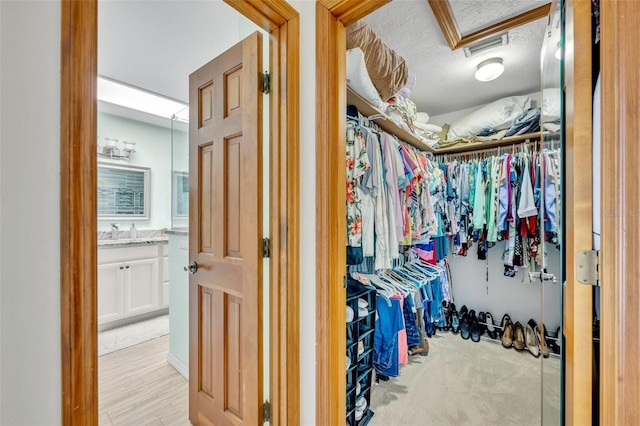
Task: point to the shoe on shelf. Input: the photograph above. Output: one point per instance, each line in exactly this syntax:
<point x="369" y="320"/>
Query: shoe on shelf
<point x="503" y="323"/>
<point x="507" y="333"/>
<point x="553" y="342"/>
<point x="455" y="319"/>
<point x="541" y="335"/>
<point x="474" y="328"/>
<point x="482" y="322"/>
<point x="518" y="336"/>
<point x="463" y="310"/>
<point x="465" y="329"/>
<point x="492" y="331"/>
<point x="531" y="338"/>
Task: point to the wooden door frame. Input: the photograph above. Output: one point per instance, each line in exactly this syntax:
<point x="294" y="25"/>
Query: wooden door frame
<point x="620" y="269"/>
<point x="331" y="18"/>
<point x="78" y="225"/>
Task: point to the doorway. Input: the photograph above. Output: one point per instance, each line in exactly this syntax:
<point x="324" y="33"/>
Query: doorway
<point x="331" y="21"/>
<point x="79" y="73"/>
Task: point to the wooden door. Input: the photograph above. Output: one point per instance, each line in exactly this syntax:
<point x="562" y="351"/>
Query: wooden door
<point x="225" y="315"/>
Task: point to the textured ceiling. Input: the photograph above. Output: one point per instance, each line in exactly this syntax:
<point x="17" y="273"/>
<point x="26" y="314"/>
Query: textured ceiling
<point x="445" y="79"/>
<point x="473" y="15"/>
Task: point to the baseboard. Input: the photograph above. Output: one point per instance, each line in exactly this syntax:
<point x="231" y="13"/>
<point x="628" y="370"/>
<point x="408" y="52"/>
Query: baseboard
<point x="178" y="365"/>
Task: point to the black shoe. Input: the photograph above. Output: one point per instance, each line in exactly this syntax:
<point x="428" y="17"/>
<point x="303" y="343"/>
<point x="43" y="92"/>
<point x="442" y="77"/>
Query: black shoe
<point x="455" y="319"/>
<point x="475" y="328"/>
<point x="482" y="322"/>
<point x="465" y="330"/>
<point x="503" y="323"/>
<point x="492" y="331"/>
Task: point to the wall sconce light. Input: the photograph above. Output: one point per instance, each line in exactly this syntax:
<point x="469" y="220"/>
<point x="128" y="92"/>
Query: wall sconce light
<point x="111" y="150"/>
<point x="489" y="69"/>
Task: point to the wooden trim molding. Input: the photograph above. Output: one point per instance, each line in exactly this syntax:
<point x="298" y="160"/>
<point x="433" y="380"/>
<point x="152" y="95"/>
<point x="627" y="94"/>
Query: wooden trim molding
<point x="620" y="294"/>
<point x="78" y="276"/>
<point x="577" y="298"/>
<point x="78" y="208"/>
<point x="330" y="203"/>
<point x="285" y="225"/>
<point x="330" y="221"/>
<point x="455" y="39"/>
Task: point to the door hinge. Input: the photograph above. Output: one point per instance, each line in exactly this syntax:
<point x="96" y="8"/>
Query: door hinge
<point x="266" y="248"/>
<point x="588" y="267"/>
<point x="265" y="82"/>
<point x="266" y="411"/>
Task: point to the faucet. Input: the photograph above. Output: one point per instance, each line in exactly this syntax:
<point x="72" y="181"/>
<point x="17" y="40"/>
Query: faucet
<point x="114" y="231"/>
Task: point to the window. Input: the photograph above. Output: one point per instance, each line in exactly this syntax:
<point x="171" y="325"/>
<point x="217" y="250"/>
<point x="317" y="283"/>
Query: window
<point x="123" y="192"/>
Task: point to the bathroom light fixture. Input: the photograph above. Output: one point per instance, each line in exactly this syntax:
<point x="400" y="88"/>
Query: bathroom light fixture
<point x="134" y="98"/>
<point x="111" y="150"/>
<point x="489" y="69"/>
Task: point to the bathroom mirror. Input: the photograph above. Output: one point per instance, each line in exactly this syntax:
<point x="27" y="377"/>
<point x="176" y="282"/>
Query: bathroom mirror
<point x="123" y="192"/>
<point x="552" y="275"/>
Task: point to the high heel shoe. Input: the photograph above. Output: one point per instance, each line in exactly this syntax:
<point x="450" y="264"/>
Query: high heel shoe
<point x="491" y="329"/>
<point x="518" y="336"/>
<point x="531" y="339"/>
<point x="505" y="319"/>
<point x="542" y="342"/>
<point x="507" y="332"/>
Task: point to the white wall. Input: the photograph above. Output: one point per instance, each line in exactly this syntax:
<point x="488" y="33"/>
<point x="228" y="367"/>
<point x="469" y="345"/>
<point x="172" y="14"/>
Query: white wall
<point x="307" y="211"/>
<point x="500" y="294"/>
<point x="30" y="213"/>
<point x="153" y="150"/>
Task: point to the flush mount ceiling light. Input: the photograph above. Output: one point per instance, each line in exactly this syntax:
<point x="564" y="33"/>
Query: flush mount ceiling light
<point x="133" y="98"/>
<point x="489" y="69"/>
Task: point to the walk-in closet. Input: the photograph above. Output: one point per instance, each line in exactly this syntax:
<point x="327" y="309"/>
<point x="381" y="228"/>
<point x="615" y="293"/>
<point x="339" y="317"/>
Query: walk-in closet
<point x="455" y="221"/>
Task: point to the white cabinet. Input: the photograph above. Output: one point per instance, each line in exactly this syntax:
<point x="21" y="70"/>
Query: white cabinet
<point x="110" y="292"/>
<point x="130" y="281"/>
<point x="140" y="286"/>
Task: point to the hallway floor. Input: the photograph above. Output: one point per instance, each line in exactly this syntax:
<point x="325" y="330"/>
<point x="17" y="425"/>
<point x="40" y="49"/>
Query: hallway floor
<point x="462" y="382"/>
<point x="137" y="387"/>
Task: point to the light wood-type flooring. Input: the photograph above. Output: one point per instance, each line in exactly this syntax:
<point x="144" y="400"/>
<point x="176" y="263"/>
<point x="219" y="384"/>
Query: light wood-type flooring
<point x="137" y="387"/>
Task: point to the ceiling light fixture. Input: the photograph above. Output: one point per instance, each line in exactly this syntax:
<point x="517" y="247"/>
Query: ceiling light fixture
<point x="489" y="69"/>
<point x="133" y="98"/>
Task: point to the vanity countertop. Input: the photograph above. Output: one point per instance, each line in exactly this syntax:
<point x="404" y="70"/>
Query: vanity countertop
<point x="177" y="231"/>
<point x="125" y="242"/>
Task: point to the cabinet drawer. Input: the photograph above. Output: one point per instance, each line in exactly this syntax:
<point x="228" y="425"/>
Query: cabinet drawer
<point x="109" y="255"/>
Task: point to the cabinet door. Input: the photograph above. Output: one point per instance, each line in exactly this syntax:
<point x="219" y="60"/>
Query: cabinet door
<point x="141" y="286"/>
<point x="110" y="292"/>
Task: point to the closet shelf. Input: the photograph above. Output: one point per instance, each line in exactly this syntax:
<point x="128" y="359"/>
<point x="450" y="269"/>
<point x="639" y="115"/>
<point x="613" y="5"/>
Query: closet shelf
<point x="477" y="146"/>
<point x="385" y="122"/>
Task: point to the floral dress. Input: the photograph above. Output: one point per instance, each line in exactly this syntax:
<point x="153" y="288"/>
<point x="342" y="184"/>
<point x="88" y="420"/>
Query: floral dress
<point x="357" y="165"/>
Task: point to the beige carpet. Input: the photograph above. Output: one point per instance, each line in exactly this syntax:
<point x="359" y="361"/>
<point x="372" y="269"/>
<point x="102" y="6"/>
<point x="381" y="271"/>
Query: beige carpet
<point x="465" y="383"/>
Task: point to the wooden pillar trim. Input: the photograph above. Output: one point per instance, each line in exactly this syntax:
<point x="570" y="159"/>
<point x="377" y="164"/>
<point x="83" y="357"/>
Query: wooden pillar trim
<point x="330" y="225"/>
<point x="78" y="212"/>
<point x="620" y="316"/>
<point x="577" y="298"/>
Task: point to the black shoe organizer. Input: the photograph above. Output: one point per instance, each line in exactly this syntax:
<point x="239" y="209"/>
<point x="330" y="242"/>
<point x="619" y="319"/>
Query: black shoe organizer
<point x="360" y="371"/>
